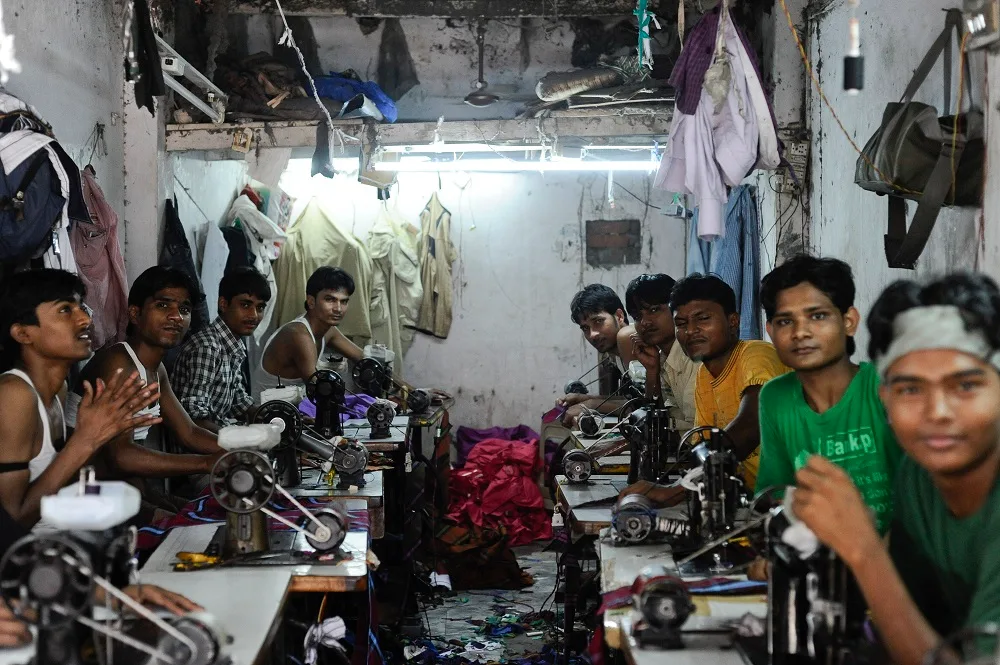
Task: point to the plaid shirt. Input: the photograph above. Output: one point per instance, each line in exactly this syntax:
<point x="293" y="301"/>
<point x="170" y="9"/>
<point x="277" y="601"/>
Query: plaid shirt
<point x="208" y="377"/>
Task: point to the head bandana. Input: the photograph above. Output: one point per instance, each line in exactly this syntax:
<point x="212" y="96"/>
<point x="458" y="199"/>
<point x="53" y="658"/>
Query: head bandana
<point x="934" y="327"/>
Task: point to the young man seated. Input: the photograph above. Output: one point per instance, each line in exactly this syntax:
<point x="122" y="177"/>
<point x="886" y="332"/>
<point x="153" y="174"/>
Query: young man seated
<point x="732" y="371"/>
<point x="599" y="313"/>
<point x="670" y="375"/>
<point x="159" y="310"/>
<point x="292" y="352"/>
<point x="209" y="377"/>
<point x="43" y="332"/>
<point x="828" y="405"/>
<point x="937" y="350"/>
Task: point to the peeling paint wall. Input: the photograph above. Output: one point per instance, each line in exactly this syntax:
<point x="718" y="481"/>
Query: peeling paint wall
<point x="520" y="237"/>
<point x="848" y="222"/>
<point x="72" y="77"/>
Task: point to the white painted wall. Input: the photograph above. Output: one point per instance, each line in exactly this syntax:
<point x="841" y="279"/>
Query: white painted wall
<point x="848" y="222"/>
<point x="512" y="345"/>
<point x="72" y="76"/>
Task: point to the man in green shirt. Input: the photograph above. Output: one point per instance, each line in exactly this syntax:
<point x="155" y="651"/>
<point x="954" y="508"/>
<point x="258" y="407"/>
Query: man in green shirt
<point x="937" y="350"/>
<point x="828" y="406"/>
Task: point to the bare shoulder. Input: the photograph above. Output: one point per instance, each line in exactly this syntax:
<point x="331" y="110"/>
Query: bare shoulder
<point x="107" y="361"/>
<point x="15" y="393"/>
<point x="18" y="416"/>
<point x="625" y="333"/>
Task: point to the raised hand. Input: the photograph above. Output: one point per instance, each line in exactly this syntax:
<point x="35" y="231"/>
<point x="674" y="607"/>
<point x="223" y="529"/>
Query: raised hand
<point x="649" y="356"/>
<point x="108" y="410"/>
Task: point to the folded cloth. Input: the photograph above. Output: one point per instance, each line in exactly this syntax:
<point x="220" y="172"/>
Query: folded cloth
<point x="355" y="406"/>
<point x="467" y="438"/>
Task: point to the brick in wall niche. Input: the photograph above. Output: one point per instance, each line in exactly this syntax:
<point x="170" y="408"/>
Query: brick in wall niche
<point x="612" y="243"/>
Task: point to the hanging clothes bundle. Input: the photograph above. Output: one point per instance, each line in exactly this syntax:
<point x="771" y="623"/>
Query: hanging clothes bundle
<point x="101" y="265"/>
<point x="724" y="126"/>
<point x="392" y="244"/>
<point x="436" y="256"/>
<point x="315" y="239"/>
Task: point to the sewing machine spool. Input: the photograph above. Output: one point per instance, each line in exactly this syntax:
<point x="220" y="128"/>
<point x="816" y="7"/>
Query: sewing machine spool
<point x="665" y="605"/>
<point x="334" y="518"/>
<point x="327" y="390"/>
<point x="590" y="423"/>
<point x="372" y="377"/>
<point x="418" y="401"/>
<point x="575" y="388"/>
<point x="380" y="415"/>
<point x="633" y="519"/>
<point x="350" y="459"/>
<point x="578" y="466"/>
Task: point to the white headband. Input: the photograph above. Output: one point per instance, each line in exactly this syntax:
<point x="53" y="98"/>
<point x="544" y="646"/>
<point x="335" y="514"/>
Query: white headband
<point x="934" y="327"/>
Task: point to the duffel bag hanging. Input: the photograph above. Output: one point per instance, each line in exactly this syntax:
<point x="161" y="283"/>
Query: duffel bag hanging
<point x="917" y="155"/>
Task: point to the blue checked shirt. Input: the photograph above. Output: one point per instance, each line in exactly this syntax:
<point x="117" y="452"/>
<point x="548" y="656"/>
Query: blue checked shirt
<point x="208" y="377"/>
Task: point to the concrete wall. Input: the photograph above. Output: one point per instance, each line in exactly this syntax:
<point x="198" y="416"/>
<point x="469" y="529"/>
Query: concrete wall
<point x="519" y="236"/>
<point x="71" y="74"/>
<point x="445" y="56"/>
<point x="848" y="222"/>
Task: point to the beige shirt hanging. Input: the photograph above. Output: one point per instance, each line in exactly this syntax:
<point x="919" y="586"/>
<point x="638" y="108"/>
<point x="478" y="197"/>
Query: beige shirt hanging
<point x="316" y="240"/>
<point x="393" y="248"/>
<point x="436" y="256"/>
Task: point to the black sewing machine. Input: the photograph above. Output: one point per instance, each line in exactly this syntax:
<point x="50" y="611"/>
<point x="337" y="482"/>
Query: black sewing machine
<point x="654" y="443"/>
<point x="664" y="605"/>
<point x="49" y="579"/>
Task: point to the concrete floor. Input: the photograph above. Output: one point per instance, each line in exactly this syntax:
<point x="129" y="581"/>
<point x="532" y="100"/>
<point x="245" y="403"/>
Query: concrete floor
<point x="451" y="619"/>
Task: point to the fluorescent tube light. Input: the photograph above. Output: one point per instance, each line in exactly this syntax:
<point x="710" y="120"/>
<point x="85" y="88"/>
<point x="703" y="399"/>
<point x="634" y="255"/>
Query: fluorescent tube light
<point x="513" y="166"/>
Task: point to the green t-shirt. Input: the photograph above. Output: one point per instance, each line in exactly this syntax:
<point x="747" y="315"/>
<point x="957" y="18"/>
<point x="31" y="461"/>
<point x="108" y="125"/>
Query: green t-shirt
<point x="950" y="566"/>
<point x="854" y="434"/>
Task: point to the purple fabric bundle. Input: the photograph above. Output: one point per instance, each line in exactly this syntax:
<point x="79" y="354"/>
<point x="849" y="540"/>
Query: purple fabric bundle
<point x="355" y="406"/>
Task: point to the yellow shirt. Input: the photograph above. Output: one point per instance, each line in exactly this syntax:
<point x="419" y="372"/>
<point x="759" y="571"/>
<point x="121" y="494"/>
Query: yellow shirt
<point x="717" y="399"/>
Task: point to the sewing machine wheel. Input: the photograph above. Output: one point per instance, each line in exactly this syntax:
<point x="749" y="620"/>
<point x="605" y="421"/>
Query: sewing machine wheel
<point x="575" y="388"/>
<point x="665" y="603"/>
<point x="590" y="423"/>
<point x="334" y="518"/>
<point x="370" y="376"/>
<point x="350" y="457"/>
<point x="418" y="401"/>
<point x="39" y="573"/>
<point x="242" y="481"/>
<point x="633" y="518"/>
<point x="325" y="384"/>
<point x="205" y="637"/>
<point x="578" y="466"/>
<point x="285" y="412"/>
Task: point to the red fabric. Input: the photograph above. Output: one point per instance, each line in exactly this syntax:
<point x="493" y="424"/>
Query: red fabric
<point x="101" y="265"/>
<point x="497" y="488"/>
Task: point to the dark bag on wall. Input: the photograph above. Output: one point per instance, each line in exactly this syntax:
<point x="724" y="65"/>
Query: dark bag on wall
<point x="913" y="152"/>
<point x="31" y="204"/>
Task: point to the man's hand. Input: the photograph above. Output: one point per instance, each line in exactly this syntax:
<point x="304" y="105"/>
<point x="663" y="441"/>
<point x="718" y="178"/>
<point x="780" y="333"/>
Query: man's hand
<point x="108" y="410"/>
<point x="649" y="356"/>
<point x="662" y="496"/>
<point x="572" y="399"/>
<point x="572" y="415"/>
<point x="826" y="499"/>
<point x="13" y="632"/>
<point x="157" y="597"/>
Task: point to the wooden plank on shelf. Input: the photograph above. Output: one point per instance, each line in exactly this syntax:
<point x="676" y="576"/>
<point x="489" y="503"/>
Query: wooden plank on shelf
<point x="440" y="8"/>
<point x="580" y="123"/>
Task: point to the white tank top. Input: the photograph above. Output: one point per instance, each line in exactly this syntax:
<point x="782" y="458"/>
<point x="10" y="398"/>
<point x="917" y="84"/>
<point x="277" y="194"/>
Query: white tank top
<point x="140" y="433"/>
<point x="44" y="458"/>
<point x="268" y="381"/>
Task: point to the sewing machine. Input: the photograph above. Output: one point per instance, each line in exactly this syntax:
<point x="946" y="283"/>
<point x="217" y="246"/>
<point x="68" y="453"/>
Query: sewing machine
<point x="654" y="442"/>
<point x="327" y="390"/>
<point x="373" y="373"/>
<point x="816" y="612"/>
<point x="49" y="580"/>
<point x="243" y="481"/>
<point x="349" y="458"/>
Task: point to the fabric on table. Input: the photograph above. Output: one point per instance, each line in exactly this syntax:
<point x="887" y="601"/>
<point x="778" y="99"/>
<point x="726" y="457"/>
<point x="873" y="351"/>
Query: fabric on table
<point x="466" y="438"/>
<point x="355" y="406"/>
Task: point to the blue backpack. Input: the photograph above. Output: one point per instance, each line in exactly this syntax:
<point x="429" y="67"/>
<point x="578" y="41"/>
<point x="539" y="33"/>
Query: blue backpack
<point x="31" y="204"/>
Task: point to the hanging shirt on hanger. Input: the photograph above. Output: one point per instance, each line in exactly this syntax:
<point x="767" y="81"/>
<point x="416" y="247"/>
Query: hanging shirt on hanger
<point x="393" y="248"/>
<point x="436" y="256"/>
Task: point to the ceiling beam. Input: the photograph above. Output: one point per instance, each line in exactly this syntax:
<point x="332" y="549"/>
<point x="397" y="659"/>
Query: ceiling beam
<point x="593" y="129"/>
<point x="440" y="8"/>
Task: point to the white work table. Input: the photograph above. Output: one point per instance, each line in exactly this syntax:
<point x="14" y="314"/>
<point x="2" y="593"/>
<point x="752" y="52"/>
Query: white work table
<point x="373" y="493"/>
<point x="350" y="573"/>
<point x="397" y="421"/>
<point x="246" y="605"/>
<point x="395" y="441"/>
<point x="579" y="502"/>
